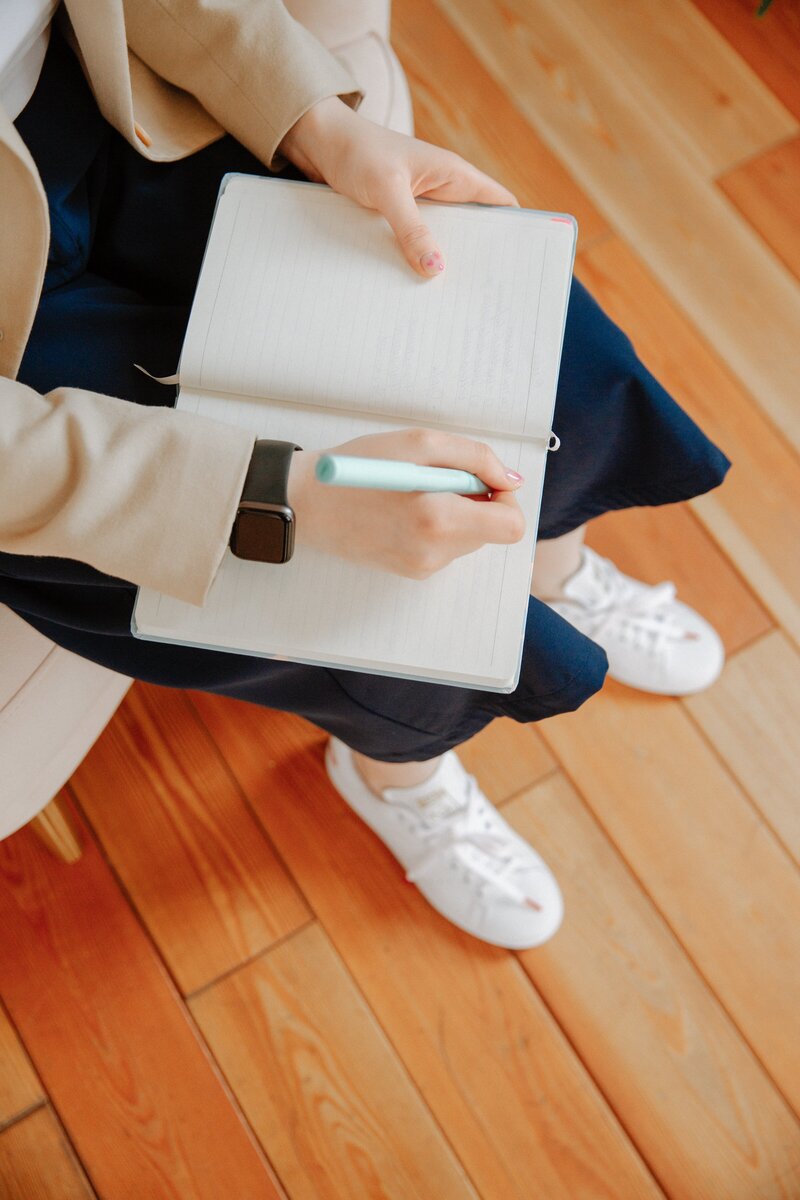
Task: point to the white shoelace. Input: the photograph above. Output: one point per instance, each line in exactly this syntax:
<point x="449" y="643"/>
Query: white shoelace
<point x="467" y="826"/>
<point x="643" y="612"/>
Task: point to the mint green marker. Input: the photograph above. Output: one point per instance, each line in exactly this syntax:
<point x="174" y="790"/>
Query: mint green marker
<point x="388" y="475"/>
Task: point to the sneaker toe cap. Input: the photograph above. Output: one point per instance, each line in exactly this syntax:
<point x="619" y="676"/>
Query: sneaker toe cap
<point x="517" y="926"/>
<point x="699" y="660"/>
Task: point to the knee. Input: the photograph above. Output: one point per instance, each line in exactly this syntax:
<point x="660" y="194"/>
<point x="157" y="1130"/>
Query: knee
<point x="561" y="667"/>
<point x="587" y="680"/>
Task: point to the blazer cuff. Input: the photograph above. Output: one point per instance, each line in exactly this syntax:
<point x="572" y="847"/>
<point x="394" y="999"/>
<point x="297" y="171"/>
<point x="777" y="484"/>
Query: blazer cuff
<point x="147" y="495"/>
<point x="251" y="65"/>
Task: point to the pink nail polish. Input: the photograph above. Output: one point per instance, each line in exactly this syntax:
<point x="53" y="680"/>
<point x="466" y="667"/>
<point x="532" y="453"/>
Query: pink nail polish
<point x="431" y="263"/>
<point x="514" y="476"/>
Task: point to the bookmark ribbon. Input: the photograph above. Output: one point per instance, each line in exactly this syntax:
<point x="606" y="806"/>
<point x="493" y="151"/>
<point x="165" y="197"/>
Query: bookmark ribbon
<point x="167" y="380"/>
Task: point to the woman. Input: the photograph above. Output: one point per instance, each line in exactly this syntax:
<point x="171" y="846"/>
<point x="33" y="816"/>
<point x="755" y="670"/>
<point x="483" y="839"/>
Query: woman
<point x="120" y="506"/>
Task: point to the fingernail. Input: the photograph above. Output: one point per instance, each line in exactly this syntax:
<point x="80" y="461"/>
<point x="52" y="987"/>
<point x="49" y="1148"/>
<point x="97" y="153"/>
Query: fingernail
<point x="514" y="476"/>
<point x="432" y="263"/>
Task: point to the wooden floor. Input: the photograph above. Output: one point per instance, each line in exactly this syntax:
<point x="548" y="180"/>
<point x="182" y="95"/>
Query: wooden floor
<point x="234" y="994"/>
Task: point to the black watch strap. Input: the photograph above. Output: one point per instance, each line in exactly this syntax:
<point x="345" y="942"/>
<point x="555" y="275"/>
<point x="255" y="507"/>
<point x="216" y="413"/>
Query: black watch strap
<point x="263" y="530"/>
<point x="267" y="476"/>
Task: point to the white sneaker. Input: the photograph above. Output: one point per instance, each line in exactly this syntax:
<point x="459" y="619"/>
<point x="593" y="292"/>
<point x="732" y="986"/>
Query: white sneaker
<point x="466" y="860"/>
<point x="653" y="641"/>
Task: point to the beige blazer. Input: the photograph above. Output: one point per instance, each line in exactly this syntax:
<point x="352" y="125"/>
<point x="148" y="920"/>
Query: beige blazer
<point x="148" y="495"/>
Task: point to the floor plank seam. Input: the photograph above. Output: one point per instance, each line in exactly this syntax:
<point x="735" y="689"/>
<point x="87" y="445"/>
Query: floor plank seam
<point x="531" y="981"/>
<point x="764" y="601"/>
<point x="749" y="159"/>
<point x="756" y="548"/>
<point x="123" y="889"/>
<point x="737" y="783"/>
<point x="251" y="958"/>
<point x="72" y="1151"/>
<point x="400" y="1061"/>
<point x="743" y="579"/>
<point x="245" y="798"/>
<point x="708" y="345"/>
<point x="331" y="937"/>
<point x="44" y="1102"/>
<point x="594" y="242"/>
<point x="23" y="1113"/>
<point x="526" y="787"/>
<point x="178" y="995"/>
<point x="668" y="928"/>
<point x="553" y="141"/>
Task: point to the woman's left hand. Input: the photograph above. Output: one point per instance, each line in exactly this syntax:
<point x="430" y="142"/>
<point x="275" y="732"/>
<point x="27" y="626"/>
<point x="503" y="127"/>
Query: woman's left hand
<point x="385" y="170"/>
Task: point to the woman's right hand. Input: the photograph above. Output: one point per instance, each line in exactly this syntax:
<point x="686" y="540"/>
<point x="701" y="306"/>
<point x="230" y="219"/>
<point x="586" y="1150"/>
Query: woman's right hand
<point x="407" y="533"/>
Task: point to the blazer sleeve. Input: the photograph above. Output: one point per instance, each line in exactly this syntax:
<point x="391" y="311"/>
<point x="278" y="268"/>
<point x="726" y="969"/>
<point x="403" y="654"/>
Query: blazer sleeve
<point x="148" y="495"/>
<point x="253" y="67"/>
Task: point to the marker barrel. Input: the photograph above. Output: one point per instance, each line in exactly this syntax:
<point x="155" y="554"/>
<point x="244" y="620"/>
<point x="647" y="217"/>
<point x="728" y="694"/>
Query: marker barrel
<point x="389" y="475"/>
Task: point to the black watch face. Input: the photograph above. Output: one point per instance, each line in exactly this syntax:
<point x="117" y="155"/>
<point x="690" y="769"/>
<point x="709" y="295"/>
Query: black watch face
<point x="263" y="536"/>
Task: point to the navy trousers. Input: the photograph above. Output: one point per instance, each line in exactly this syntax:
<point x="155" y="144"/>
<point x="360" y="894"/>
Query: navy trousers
<point x="126" y="245"/>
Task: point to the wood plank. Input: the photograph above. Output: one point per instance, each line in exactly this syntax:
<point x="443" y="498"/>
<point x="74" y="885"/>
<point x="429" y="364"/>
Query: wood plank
<point x="710" y="863"/>
<point x="457" y="104"/>
<point x="19" y="1087"/>
<point x="506" y="757"/>
<point x="668" y="542"/>
<point x="709" y="99"/>
<point x="691" y="1094"/>
<point x="766" y="192"/>
<point x="36" y="1162"/>
<point x="770" y="44"/>
<point x="582" y="96"/>
<point x="320" y="1083"/>
<point x="108" y="1035"/>
<point x="486" y="1055"/>
<point x="185" y="844"/>
<point x="754" y="515"/>
<point x="750" y="715"/>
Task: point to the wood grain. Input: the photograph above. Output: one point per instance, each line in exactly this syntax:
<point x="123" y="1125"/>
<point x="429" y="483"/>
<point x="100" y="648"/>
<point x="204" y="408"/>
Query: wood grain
<point x="110" y="1038"/>
<point x="487" y="1057"/>
<point x="694" y="1099"/>
<point x="582" y="95"/>
<point x="188" y="849"/>
<point x="770" y="44"/>
<point x="320" y="1083"/>
<point x="668" y="542"/>
<point x="751" y="718"/>
<point x="669" y="56"/>
<point x="19" y="1087"/>
<point x="458" y="105"/>
<point x="36" y="1162"/>
<point x="650" y="1047"/>
<point x="506" y="757"/>
<point x="712" y="866"/>
<point x="766" y="191"/>
<point x="754" y="516"/>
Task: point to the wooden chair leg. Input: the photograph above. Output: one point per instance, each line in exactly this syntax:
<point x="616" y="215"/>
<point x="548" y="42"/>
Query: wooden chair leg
<point x="56" y="829"/>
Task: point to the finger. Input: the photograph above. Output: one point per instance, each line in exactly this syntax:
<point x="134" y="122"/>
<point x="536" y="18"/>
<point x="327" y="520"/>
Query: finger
<point x="416" y="241"/>
<point x="435" y="449"/>
<point x="470" y="184"/>
<point x="501" y="521"/>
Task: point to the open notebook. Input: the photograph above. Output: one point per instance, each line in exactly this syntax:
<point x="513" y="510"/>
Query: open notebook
<point x="308" y="325"/>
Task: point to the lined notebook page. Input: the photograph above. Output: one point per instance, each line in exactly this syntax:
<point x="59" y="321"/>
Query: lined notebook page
<point x="315" y="351"/>
<point x="305" y="296"/>
<point x="463" y="624"/>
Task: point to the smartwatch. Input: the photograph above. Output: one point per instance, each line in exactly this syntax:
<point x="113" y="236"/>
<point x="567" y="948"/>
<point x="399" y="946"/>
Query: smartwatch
<point x="264" y="527"/>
